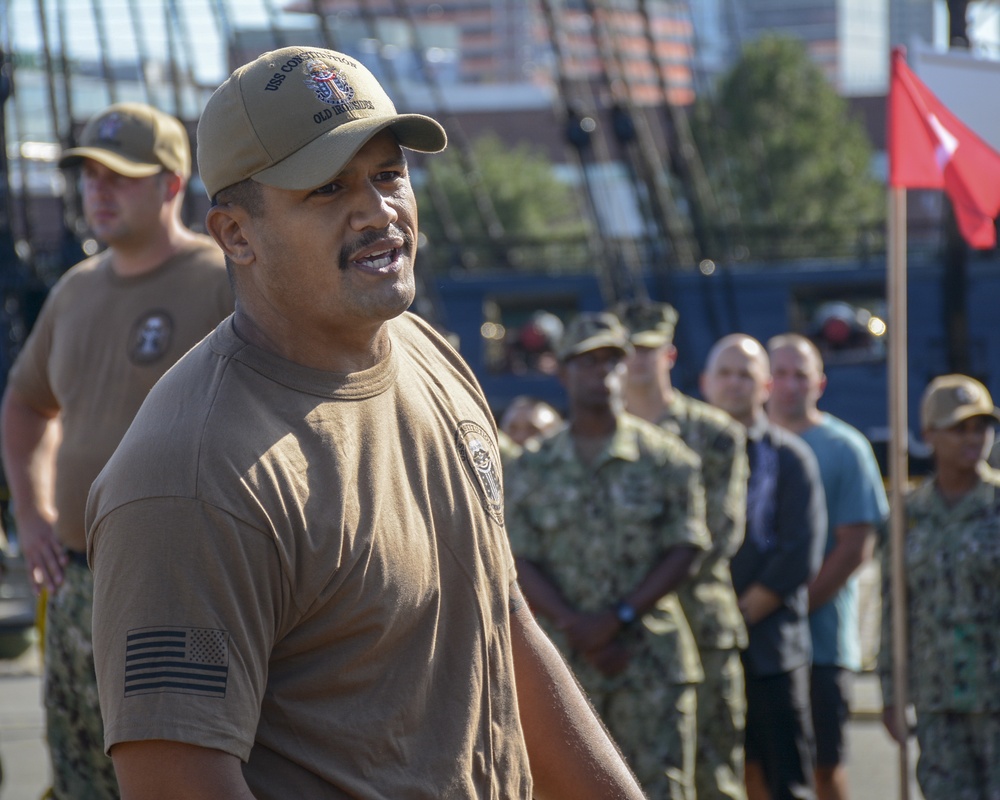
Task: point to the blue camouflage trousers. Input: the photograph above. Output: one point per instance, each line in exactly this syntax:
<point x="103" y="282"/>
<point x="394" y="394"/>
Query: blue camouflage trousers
<point x="959" y="756"/>
<point x="75" y="732"/>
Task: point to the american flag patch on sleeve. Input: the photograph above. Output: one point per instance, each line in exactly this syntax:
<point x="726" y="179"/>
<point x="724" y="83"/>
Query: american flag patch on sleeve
<point x="181" y="660"/>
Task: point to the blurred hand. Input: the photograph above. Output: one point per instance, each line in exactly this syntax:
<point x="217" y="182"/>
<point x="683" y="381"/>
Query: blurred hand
<point x="892" y="725"/>
<point x="611" y="659"/>
<point x="44" y="556"/>
<point x="589" y="632"/>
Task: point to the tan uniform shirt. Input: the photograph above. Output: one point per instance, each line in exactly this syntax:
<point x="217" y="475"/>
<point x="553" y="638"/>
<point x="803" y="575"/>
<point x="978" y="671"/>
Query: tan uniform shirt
<point x="309" y="571"/>
<point x="99" y="345"/>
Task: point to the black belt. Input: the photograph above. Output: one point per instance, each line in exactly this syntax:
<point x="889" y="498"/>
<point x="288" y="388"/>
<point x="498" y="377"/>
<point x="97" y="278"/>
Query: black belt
<point x="77" y="557"/>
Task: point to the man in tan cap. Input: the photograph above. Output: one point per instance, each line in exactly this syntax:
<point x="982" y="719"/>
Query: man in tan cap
<point x="709" y="601"/>
<point x="303" y="586"/>
<point x="952" y="577"/>
<point x="109" y="329"/>
<point x="607" y="519"/>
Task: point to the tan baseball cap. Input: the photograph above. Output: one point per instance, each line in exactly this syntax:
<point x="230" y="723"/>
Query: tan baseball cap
<point x="951" y="399"/>
<point x="134" y="140"/>
<point x="593" y="330"/>
<point x="294" y="117"/>
<point x="649" y="324"/>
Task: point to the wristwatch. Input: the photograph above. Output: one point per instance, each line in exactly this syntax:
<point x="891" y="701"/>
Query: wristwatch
<point x="626" y="613"/>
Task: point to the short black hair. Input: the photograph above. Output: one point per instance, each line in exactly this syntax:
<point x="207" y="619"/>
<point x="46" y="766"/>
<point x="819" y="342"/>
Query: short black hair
<point x="246" y="194"/>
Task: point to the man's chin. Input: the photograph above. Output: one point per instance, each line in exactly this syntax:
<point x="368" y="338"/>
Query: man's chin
<point x="401" y="300"/>
<point x="103" y="234"/>
<point x="735" y="411"/>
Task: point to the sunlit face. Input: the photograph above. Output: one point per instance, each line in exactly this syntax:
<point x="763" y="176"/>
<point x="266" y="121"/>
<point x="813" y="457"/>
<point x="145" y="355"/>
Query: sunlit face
<point x="797" y="382"/>
<point x="646" y="365"/>
<point x="595" y="380"/>
<point x="338" y="259"/>
<point x="119" y="210"/>
<point x="737" y="381"/>
<point x="962" y="446"/>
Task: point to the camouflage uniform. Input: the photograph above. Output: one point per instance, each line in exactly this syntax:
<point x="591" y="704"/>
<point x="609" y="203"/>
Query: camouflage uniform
<point x="952" y="558"/>
<point x="596" y="531"/>
<point x="80" y="769"/>
<point x="510" y="450"/>
<point x="709" y="601"/>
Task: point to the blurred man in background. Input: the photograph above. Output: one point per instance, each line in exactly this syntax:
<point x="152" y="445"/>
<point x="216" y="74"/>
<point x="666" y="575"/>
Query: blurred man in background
<point x="606" y="520"/>
<point x="780" y="555"/>
<point x="856" y="506"/>
<point x="109" y="329"/>
<point x="709" y="601"/>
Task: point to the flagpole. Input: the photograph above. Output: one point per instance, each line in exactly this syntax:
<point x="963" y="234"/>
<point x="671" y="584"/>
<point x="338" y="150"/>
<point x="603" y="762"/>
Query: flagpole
<point x="898" y="466"/>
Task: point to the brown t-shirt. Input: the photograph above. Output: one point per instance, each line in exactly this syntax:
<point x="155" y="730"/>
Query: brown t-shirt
<point x="310" y="571"/>
<point x="100" y="343"/>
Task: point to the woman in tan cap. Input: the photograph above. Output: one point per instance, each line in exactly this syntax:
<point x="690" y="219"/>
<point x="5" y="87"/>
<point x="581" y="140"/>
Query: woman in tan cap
<point x="952" y="560"/>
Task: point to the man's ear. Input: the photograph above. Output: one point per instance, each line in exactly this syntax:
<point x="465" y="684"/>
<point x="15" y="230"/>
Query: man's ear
<point x="173" y="185"/>
<point x="928" y="435"/>
<point x="768" y="388"/>
<point x="225" y="224"/>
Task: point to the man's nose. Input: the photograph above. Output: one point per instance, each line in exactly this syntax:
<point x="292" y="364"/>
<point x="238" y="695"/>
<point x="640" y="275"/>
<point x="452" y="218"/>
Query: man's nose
<point x="373" y="210"/>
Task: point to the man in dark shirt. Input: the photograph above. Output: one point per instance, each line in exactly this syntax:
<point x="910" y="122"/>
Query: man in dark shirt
<point x="782" y="551"/>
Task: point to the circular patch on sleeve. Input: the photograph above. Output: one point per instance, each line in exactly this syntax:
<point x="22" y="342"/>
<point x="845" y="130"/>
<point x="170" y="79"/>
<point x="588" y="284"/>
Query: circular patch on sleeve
<point x="482" y="458"/>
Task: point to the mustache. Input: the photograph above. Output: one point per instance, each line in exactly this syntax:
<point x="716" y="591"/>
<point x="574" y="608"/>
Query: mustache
<point x="370" y="238"/>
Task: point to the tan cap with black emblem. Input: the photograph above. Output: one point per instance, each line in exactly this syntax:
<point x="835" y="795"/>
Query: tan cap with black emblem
<point x="951" y="399"/>
<point x="134" y="140"/>
<point x="294" y="117"/>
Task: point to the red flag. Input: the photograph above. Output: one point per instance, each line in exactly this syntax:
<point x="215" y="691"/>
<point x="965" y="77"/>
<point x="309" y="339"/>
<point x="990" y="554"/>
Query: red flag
<point x="929" y="148"/>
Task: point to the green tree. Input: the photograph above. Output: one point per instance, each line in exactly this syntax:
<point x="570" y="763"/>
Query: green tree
<point x="786" y="158"/>
<point x="539" y="215"/>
